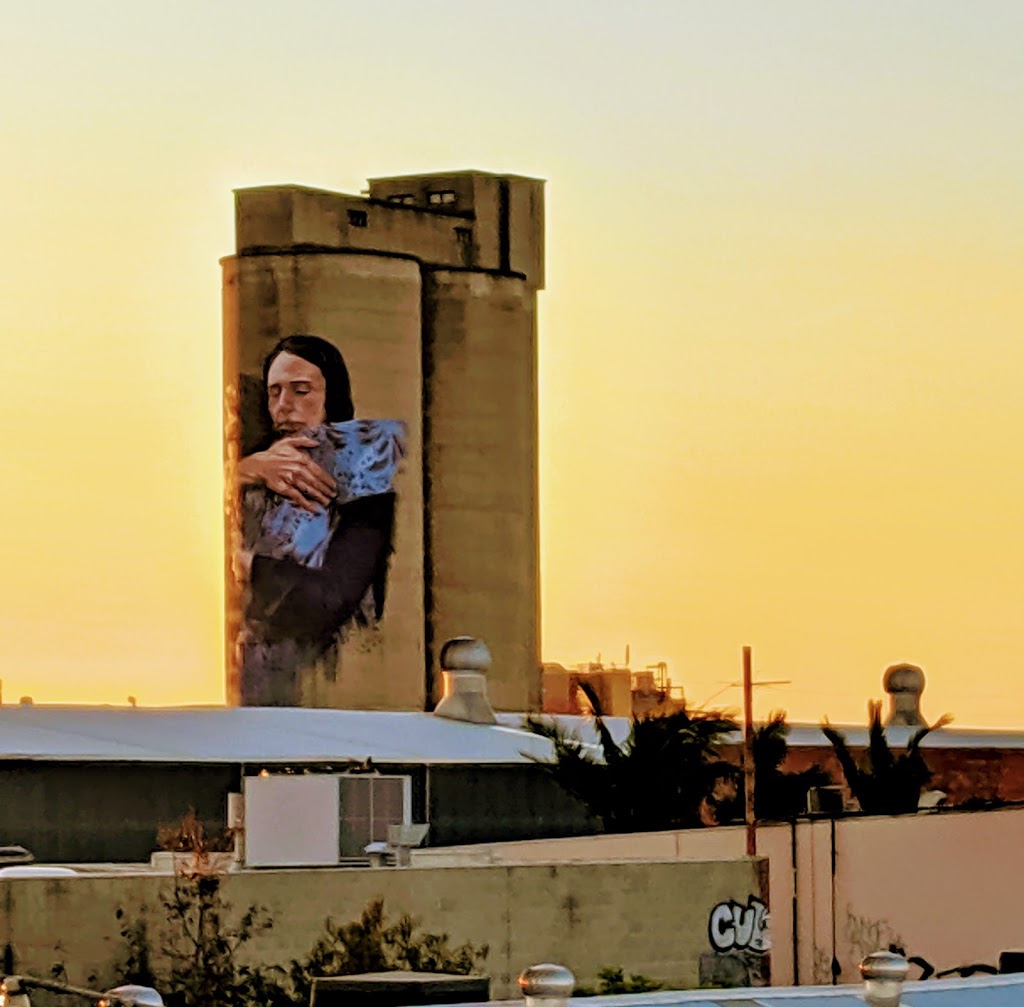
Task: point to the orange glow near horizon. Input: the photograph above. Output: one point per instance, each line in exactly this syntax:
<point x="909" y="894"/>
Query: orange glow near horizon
<point x="780" y="344"/>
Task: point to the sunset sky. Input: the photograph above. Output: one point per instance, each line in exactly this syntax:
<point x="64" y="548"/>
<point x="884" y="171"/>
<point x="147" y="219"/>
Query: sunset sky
<point x="781" y="345"/>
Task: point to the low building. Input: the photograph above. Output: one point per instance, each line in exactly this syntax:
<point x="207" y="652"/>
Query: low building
<point x="94" y="784"/>
<point x="621" y="691"/>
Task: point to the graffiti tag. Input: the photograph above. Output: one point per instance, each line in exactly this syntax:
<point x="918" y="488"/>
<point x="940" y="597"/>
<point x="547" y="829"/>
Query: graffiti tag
<point x="735" y="927"/>
<point x="928" y="970"/>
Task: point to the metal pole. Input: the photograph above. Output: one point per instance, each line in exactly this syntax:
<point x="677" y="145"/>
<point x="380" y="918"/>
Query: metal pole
<point x="748" y="753"/>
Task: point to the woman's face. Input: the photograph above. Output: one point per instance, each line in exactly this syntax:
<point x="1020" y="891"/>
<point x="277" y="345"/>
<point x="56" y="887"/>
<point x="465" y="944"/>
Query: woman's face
<point x="296" y="393"/>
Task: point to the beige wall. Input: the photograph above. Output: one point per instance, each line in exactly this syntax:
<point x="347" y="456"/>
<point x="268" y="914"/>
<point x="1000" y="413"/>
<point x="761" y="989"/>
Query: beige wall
<point x="481" y="391"/>
<point x="478" y="206"/>
<point x="943" y="886"/>
<point x="946" y="887"/>
<point x="369" y="306"/>
<point x="280" y="218"/>
<point x="648" y="918"/>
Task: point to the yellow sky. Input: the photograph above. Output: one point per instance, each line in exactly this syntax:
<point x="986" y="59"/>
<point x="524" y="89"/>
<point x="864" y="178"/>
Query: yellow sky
<point x="781" y="344"/>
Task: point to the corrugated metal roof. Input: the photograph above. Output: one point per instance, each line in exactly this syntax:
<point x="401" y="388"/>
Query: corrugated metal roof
<point x="289" y="735"/>
<point x="255" y="735"/>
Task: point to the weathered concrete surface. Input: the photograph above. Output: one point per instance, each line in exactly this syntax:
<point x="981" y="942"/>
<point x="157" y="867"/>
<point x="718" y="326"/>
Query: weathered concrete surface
<point x="945" y="886"/>
<point x="650" y="918"/>
<point x="481" y="469"/>
<point x="369" y="306"/>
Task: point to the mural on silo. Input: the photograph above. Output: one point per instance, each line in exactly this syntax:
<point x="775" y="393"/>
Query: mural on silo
<point x="311" y="517"/>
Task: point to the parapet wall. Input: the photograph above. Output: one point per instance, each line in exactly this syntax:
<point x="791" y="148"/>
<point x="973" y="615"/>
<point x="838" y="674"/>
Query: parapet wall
<point x="649" y="918"/>
<point x="943" y="885"/>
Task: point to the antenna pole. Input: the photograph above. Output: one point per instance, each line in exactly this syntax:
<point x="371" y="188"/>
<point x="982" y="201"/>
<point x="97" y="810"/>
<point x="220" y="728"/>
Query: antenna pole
<point x="748" y="753"/>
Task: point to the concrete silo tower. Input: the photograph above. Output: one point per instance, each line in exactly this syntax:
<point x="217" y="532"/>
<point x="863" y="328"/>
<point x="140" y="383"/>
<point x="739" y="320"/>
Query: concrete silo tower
<point x="428" y="286"/>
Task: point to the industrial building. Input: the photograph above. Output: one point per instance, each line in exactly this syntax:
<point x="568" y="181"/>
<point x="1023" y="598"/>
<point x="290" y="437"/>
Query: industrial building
<point x="94" y="784"/>
<point x="428" y="285"/>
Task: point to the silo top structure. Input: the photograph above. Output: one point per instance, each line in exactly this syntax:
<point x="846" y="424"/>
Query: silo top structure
<point x="427" y="285"/>
<point x="461" y="219"/>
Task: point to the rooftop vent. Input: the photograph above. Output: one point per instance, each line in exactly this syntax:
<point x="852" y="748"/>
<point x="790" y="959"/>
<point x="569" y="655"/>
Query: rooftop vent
<point x="15" y="855"/>
<point x="464" y="665"/>
<point x="904" y="683"/>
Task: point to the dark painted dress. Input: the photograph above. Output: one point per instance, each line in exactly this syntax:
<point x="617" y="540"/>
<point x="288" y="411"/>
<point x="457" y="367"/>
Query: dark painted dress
<point x="314" y="575"/>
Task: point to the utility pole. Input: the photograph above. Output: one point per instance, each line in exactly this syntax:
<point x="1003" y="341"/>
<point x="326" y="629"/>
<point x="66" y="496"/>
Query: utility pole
<point x="748" y="753"/>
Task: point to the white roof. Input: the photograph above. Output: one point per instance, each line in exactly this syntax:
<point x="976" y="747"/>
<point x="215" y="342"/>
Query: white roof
<point x="291" y="735"/>
<point x="254" y="735"/>
<point x="810" y="735"/>
<point x="978" y="991"/>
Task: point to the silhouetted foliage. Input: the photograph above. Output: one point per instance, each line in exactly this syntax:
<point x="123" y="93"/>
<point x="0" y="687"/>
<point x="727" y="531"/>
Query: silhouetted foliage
<point x="202" y="938"/>
<point x="372" y="944"/>
<point x="612" y="982"/>
<point x="201" y="941"/>
<point x="883" y="782"/>
<point x="188" y="835"/>
<point x="666" y="773"/>
<point x="778" y="794"/>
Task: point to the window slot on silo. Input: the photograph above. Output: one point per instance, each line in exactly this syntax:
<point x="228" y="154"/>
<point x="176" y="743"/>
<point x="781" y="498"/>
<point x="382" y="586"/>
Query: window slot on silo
<point x="403" y="198"/>
<point x="357" y="218"/>
<point x="444" y="197"/>
<point x="464" y="236"/>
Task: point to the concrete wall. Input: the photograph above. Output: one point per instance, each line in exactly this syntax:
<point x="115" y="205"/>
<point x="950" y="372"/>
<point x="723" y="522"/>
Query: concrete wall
<point x="480" y="365"/>
<point x="369" y="306"/>
<point x="67" y="812"/>
<point x="296" y="218"/>
<point x="505" y="214"/>
<point x="945" y="886"/>
<point x="649" y="918"/>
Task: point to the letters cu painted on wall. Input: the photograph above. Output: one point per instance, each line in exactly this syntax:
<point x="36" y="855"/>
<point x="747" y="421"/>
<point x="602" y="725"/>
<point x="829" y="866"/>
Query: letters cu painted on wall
<point x="740" y="943"/>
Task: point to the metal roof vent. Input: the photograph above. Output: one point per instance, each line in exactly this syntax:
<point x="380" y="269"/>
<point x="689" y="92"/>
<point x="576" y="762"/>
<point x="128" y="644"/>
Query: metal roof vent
<point x="904" y="683"/>
<point x="464" y="665"/>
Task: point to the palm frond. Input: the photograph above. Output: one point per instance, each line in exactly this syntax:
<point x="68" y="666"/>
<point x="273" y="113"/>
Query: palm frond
<point x="612" y="752"/>
<point x="593" y="698"/>
<point x="879" y="752"/>
<point x="769" y="741"/>
<point x="846" y="760"/>
<point x="922" y="732"/>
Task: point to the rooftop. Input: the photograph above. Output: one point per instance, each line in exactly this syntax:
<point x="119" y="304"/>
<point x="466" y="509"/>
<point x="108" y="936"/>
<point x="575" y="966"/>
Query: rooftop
<point x="988" y="991"/>
<point x="254" y="735"/>
<point x="292" y="735"/>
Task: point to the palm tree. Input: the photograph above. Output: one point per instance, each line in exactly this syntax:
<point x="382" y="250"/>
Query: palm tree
<point x="883" y="782"/>
<point x="662" y="776"/>
<point x="778" y="794"/>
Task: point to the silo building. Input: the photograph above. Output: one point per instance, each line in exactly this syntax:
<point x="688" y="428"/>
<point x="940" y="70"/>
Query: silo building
<point x="427" y="284"/>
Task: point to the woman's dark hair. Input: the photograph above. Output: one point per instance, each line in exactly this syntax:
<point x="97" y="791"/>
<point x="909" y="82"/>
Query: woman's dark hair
<point x="338" y="405"/>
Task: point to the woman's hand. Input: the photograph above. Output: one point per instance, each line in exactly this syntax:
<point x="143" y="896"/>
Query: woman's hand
<point x="289" y="471"/>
